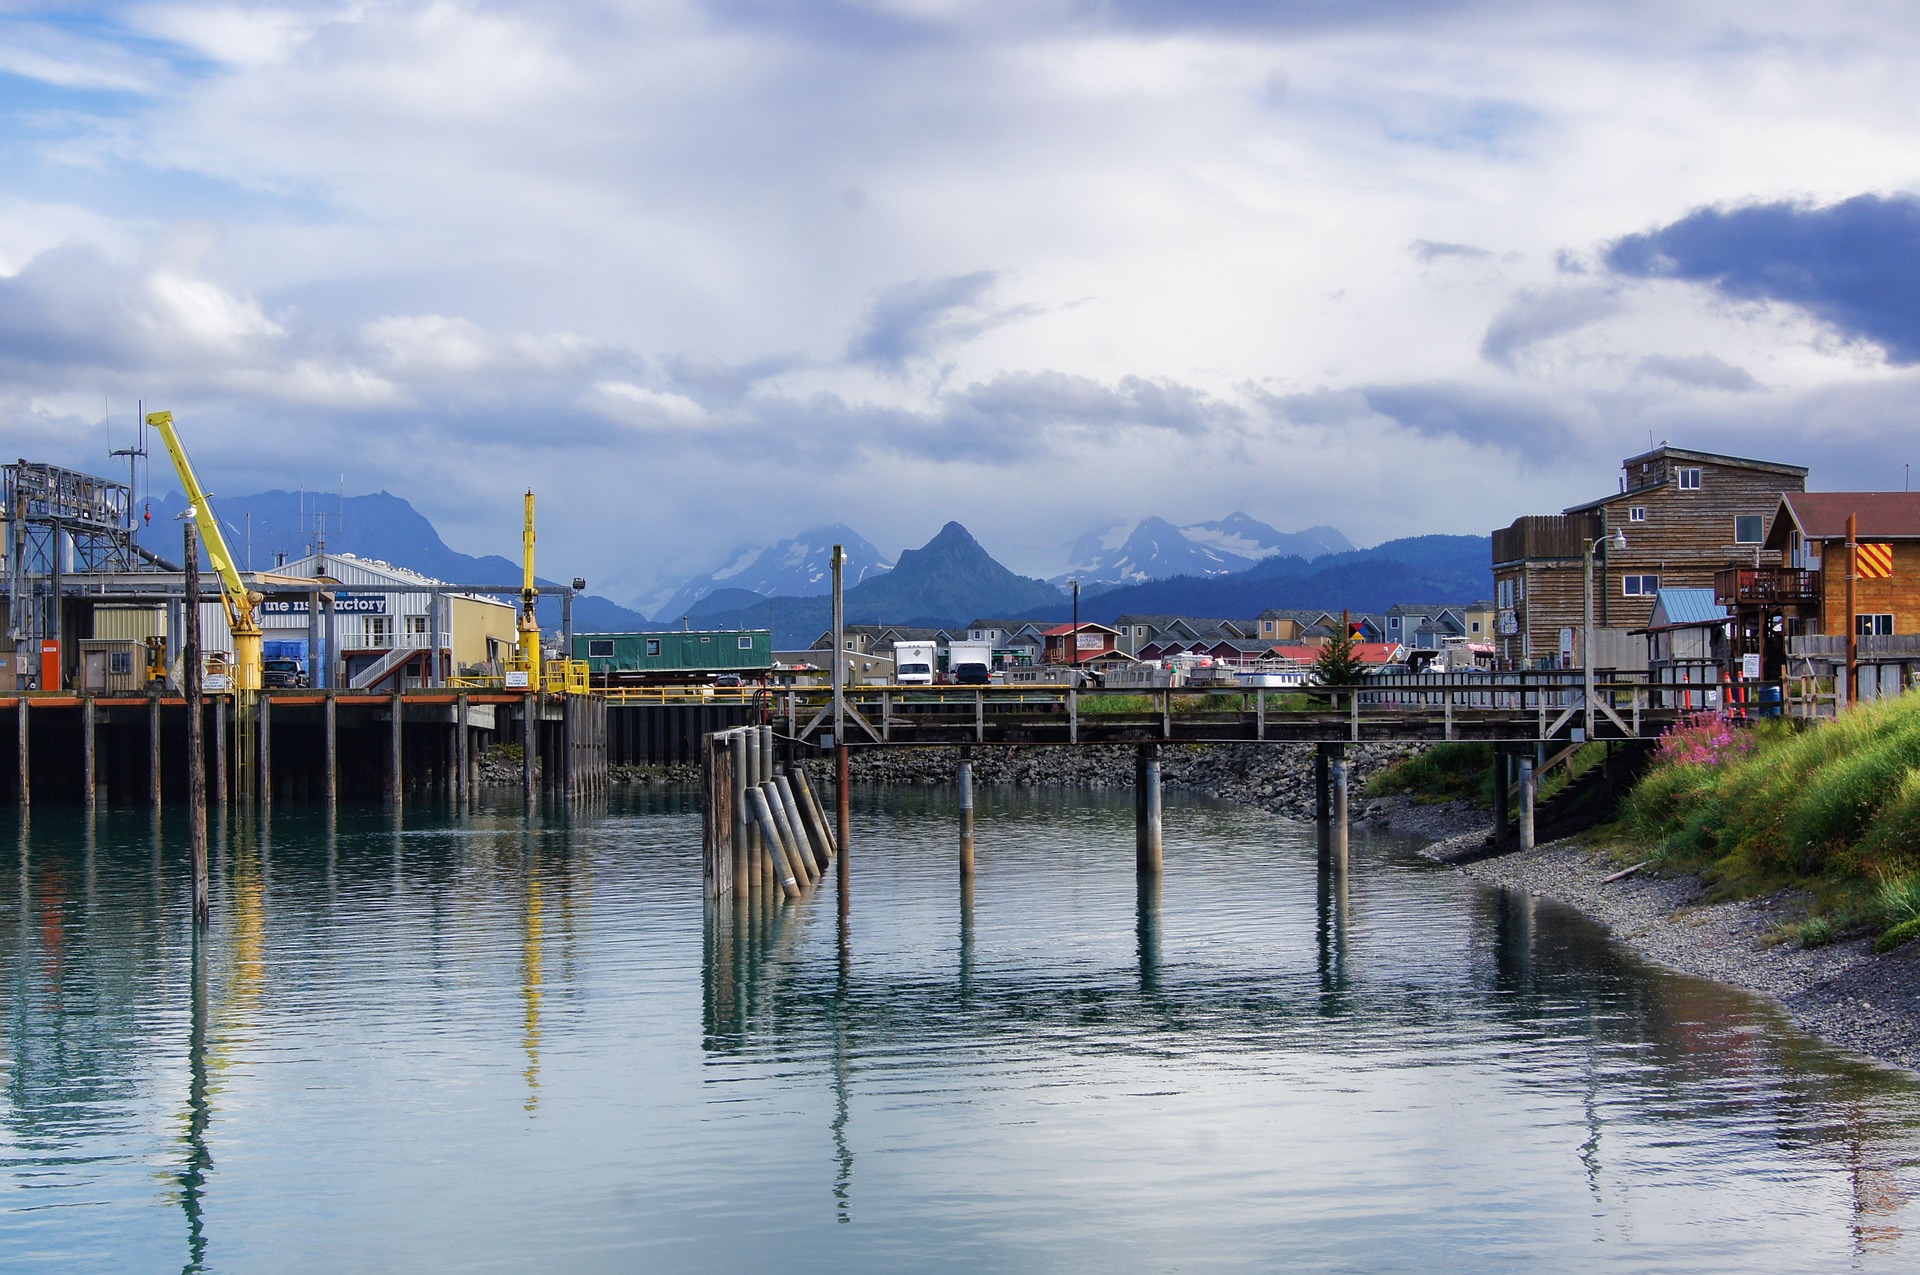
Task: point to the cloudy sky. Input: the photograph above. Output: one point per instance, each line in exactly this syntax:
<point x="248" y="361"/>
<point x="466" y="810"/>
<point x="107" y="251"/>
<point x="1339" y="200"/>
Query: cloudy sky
<point x="709" y="273"/>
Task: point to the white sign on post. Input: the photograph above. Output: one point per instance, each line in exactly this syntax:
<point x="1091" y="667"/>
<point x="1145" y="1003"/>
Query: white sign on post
<point x="1750" y="666"/>
<point x="516" y="679"/>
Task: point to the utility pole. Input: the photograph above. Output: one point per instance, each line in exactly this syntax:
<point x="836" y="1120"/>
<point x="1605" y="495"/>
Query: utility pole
<point x="196" y="757"/>
<point x="1853" y="622"/>
<point x="1074" y="659"/>
<point x="842" y="799"/>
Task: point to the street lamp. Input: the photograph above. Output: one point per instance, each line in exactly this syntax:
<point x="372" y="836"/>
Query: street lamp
<point x="1074" y="659"/>
<point x="1617" y="540"/>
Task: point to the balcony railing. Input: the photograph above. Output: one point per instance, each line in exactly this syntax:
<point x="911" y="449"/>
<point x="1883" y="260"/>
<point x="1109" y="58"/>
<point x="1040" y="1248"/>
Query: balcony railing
<point x="1766" y="586"/>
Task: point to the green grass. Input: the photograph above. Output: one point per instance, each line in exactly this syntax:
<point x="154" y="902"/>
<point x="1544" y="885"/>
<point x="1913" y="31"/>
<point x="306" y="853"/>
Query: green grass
<point x="1445" y="772"/>
<point x="1120" y="703"/>
<point x="1834" y="809"/>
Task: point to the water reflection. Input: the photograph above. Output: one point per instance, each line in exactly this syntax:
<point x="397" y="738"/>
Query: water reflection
<point x="453" y="1035"/>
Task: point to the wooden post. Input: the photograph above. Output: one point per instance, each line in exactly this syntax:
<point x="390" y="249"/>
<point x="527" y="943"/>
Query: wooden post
<point x="90" y="766"/>
<point x="1502" y="802"/>
<point x="843" y="803"/>
<point x="530" y="739"/>
<point x="1147" y="857"/>
<point x="742" y="841"/>
<point x="396" y="776"/>
<point x="1853" y="621"/>
<point x="1526" y="803"/>
<point x="26" y="755"/>
<point x="461" y="789"/>
<point x="330" y="713"/>
<point x="964" y="777"/>
<point x="220" y="751"/>
<point x="1323" y="755"/>
<point x="1339" y="819"/>
<point x="796" y="828"/>
<point x="770" y="836"/>
<point x="196" y="757"/>
<point x="266" y="752"/>
<point x="153" y="747"/>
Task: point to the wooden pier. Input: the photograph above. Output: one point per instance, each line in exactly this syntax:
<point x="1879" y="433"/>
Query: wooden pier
<point x="299" y="746"/>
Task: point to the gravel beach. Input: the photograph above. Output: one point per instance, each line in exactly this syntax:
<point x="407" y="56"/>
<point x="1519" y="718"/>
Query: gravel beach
<point x="1862" y="1002"/>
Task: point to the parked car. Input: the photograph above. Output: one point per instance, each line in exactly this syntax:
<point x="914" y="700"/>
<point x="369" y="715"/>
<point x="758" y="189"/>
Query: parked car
<point x="728" y="679"/>
<point x="283" y="672"/>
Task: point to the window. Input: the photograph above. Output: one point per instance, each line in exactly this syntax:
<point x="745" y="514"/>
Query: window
<point x="599" y="648"/>
<point x="1873" y="625"/>
<point x="1689" y="479"/>
<point x="120" y="662"/>
<point x="706" y="637"/>
<point x="1636" y="513"/>
<point x="380" y="630"/>
<point x="653" y="646"/>
<point x="746" y="643"/>
<point x="416" y="626"/>
<point x="1476" y="626"/>
<point x="1749" y="529"/>
<point x="1506" y="595"/>
<point x="1639" y="586"/>
<point x="1393" y="621"/>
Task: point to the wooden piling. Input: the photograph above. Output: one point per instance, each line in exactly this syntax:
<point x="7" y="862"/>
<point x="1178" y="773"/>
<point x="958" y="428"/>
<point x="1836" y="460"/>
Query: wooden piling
<point x="462" y="782"/>
<point x="153" y="747"/>
<point x="530" y="741"/>
<point x="1339" y="818"/>
<point x="396" y="773"/>
<point x="843" y="803"/>
<point x="24" y="729"/>
<point x="742" y="840"/>
<point x="1526" y="803"/>
<point x="1147" y="861"/>
<point x="1323" y="755"/>
<point x="266" y="752"/>
<point x="770" y="837"/>
<point x="330" y="713"/>
<point x="89" y="764"/>
<point x="220" y="751"/>
<point x="196" y="756"/>
<point x="963" y="777"/>
<point x="1502" y="801"/>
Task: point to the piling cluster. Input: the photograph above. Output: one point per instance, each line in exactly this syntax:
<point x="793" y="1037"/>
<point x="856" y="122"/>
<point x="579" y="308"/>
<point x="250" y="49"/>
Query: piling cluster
<point x="764" y="826"/>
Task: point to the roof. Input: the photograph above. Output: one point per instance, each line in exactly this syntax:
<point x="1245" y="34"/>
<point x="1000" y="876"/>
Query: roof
<point x="1684" y="608"/>
<point x="1365" y="652"/>
<point x="1822" y="515"/>
<point x="1422" y="608"/>
<point x="990" y="622"/>
<point x="1061" y="630"/>
<point x="1714" y="458"/>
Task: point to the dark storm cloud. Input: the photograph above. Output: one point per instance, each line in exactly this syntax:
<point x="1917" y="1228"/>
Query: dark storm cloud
<point x="1701" y="371"/>
<point x="1854" y="265"/>
<point x="1531" y="425"/>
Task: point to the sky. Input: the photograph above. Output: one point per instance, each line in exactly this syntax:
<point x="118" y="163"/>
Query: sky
<point x="708" y="274"/>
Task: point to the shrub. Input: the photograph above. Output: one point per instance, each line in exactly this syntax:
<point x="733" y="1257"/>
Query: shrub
<point x="1899" y="900"/>
<point x="1905" y="932"/>
<point x="1816" y="931"/>
<point x="1704" y="739"/>
<point x="1444" y="772"/>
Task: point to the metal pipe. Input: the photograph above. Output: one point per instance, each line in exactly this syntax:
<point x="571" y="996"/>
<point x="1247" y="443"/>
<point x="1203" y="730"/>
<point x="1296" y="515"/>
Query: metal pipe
<point x="1339" y="820"/>
<point x="330" y="715"/>
<point x="1148" y="863"/>
<point x="796" y="828"/>
<point x="196" y="757"/>
<point x="770" y="837"/>
<point x="1526" y="803"/>
<point x="742" y="842"/>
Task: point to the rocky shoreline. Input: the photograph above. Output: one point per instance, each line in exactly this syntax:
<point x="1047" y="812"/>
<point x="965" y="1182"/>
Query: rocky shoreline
<point x="1861" y="1002"/>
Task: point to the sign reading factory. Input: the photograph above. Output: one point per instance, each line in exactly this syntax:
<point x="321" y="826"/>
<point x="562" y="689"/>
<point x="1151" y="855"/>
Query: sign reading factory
<point x="287" y="608"/>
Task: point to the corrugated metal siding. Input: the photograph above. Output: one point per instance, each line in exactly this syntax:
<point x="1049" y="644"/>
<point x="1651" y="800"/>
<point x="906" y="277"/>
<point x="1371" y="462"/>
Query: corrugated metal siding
<point x="129" y="624"/>
<point x="678" y="651"/>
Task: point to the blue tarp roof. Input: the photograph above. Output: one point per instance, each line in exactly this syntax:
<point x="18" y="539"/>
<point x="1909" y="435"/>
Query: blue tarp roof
<point x="1686" y="606"/>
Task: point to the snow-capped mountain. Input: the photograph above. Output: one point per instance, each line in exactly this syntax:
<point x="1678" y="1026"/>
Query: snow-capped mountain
<point x="1155" y="549"/>
<point x="1248" y="537"/>
<point x="797" y="567"/>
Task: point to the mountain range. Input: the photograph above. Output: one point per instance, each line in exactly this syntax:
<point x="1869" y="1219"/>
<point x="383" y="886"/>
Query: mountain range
<point x="1155" y="549"/>
<point x="799" y="566"/>
<point x="260" y="528"/>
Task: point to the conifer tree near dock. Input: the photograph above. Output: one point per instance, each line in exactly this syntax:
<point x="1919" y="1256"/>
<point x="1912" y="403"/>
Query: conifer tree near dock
<point x="1336" y="664"/>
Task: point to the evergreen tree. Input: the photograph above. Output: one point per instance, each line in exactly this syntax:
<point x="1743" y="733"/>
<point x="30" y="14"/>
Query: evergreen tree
<point x="1336" y="665"/>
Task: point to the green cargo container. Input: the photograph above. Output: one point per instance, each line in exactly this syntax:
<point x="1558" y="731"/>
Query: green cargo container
<point x="657" y="656"/>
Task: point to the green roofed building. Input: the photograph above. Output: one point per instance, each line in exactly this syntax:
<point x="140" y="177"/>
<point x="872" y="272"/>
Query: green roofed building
<point x="674" y="654"/>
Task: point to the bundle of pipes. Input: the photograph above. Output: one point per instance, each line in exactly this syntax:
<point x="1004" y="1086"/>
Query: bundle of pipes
<point x="777" y="831"/>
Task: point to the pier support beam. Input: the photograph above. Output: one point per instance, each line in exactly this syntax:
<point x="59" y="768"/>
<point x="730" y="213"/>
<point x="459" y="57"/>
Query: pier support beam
<point x="26" y="755"/>
<point x="743" y="883"/>
<point x="1339" y="827"/>
<point x="266" y="752"/>
<point x="843" y="807"/>
<point x="461" y="779"/>
<point x="220" y="752"/>
<point x="1526" y="803"/>
<point x="770" y="837"/>
<point x="1502" y="801"/>
<point x="963" y="777"/>
<point x="1147" y="807"/>
<point x="330" y="712"/>
<point x="89" y="757"/>
<point x="530" y="742"/>
<point x="799" y="843"/>
<point x="153" y="747"/>
<point x="1323" y="757"/>
<point x="396" y="775"/>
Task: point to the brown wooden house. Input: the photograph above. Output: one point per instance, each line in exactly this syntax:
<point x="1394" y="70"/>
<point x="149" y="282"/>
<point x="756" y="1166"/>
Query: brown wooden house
<point x="1810" y="534"/>
<point x="1685" y="516"/>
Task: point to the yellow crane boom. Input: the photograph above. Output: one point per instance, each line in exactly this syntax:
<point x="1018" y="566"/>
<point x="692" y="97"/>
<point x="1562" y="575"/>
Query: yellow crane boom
<point x="242" y="620"/>
<point x="529" y="629"/>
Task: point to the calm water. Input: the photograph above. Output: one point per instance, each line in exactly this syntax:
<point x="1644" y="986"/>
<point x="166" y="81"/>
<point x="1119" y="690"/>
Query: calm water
<point x="475" y="1044"/>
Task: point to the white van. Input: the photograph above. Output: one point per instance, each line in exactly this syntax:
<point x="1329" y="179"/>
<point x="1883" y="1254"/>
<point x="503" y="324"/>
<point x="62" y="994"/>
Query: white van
<point x="913" y="663"/>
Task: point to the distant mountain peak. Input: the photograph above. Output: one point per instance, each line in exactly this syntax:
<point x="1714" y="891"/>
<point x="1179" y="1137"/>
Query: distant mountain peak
<point x="800" y="566"/>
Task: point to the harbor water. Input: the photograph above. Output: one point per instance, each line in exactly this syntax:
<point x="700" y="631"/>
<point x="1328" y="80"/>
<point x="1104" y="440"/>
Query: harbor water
<point x="475" y="1042"/>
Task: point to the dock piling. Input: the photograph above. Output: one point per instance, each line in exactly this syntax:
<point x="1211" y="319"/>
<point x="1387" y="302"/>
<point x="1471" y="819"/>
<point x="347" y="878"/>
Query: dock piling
<point x="461" y="779"/>
<point x="1339" y="830"/>
<point x="89" y="765"/>
<point x="1147" y="856"/>
<point x="964" y="778"/>
<point x="266" y="753"/>
<point x="153" y="745"/>
<point x="770" y="837"/>
<point x="396" y="774"/>
<point x="26" y="755"/>
<point x="330" y="721"/>
<point x="530" y="749"/>
<point x="1527" y="787"/>
<point x="742" y="839"/>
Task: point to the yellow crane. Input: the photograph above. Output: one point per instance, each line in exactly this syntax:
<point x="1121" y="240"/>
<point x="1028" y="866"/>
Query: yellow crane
<point x="242" y="618"/>
<point x="528" y="658"/>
